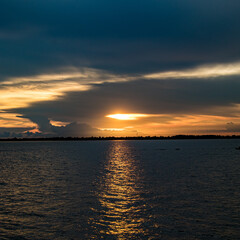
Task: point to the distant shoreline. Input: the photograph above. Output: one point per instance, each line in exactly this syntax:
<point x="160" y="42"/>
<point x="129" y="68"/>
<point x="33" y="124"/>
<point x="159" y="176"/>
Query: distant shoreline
<point x="176" y="137"/>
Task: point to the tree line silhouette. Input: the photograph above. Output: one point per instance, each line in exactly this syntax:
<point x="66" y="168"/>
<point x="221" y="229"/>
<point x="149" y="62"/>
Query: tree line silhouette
<point x="176" y="137"/>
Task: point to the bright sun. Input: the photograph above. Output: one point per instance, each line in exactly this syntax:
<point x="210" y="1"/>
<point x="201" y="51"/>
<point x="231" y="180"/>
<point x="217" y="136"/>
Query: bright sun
<point x="132" y="116"/>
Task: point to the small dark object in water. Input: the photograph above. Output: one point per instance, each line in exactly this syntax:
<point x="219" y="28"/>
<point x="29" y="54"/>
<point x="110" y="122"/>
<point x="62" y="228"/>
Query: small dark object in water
<point x="237" y="148"/>
<point x="3" y="184"/>
<point x="177" y="149"/>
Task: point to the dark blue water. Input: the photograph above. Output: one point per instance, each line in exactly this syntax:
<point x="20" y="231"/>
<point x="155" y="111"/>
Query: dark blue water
<point x="184" y="189"/>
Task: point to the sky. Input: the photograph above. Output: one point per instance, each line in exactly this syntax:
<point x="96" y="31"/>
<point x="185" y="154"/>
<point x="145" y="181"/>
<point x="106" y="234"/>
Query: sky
<point x="119" y="68"/>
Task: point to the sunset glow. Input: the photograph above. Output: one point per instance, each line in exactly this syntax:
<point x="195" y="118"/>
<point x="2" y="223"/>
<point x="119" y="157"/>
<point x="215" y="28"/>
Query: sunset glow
<point x="131" y="116"/>
<point x="154" y="73"/>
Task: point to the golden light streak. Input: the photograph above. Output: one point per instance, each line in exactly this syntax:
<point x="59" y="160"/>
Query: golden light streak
<point x="187" y="124"/>
<point x="44" y="77"/>
<point x="170" y="124"/>
<point x="35" y="130"/>
<point x="22" y="96"/>
<point x="112" y="129"/>
<point x="59" y="123"/>
<point x="127" y="116"/>
<point x="82" y="76"/>
<point x="11" y="120"/>
<point x="119" y="194"/>
<point x="205" y="71"/>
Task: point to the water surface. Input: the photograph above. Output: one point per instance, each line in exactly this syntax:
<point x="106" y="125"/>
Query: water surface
<point x="169" y="189"/>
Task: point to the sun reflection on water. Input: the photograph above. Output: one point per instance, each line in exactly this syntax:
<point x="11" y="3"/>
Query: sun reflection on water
<point x="119" y="195"/>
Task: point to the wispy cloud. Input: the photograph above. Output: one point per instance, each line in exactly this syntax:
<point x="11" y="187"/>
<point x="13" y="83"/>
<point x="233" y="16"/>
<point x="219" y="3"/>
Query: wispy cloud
<point x="9" y="120"/>
<point x="204" y="71"/>
<point x="23" y="91"/>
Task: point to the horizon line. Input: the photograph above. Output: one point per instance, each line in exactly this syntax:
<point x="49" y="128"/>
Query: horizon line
<point x="175" y="137"/>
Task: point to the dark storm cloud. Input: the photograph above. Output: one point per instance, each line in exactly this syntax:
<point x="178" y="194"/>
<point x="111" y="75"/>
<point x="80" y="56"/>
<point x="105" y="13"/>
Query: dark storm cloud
<point x="178" y="96"/>
<point x="123" y="36"/>
<point x="13" y="132"/>
<point x="73" y="129"/>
